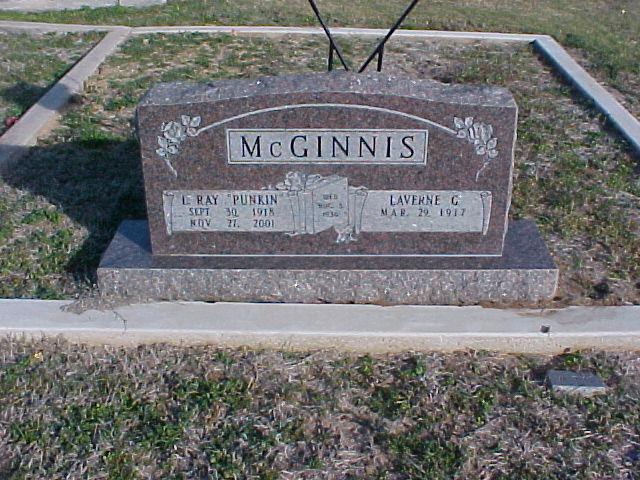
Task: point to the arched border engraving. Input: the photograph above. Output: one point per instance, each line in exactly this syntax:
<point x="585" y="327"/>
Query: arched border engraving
<point x="174" y="133"/>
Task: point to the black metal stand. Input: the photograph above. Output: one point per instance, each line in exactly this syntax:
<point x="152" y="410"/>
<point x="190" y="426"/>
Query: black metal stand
<point x="377" y="52"/>
<point x="332" y="44"/>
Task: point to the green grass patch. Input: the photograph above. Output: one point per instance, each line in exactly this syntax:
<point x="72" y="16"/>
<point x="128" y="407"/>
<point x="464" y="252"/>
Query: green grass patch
<point x="606" y="32"/>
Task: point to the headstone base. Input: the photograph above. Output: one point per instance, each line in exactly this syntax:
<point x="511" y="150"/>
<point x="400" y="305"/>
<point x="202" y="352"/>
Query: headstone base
<point x="524" y="273"/>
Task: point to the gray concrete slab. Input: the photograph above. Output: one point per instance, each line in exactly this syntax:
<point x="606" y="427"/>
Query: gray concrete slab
<point x="376" y="32"/>
<point x="45" y="5"/>
<point x="274" y="30"/>
<point x="361" y="328"/>
<point x="43" y="27"/>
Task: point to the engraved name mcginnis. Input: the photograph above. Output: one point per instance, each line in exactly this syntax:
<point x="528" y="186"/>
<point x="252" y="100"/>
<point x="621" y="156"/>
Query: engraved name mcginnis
<point x="362" y="146"/>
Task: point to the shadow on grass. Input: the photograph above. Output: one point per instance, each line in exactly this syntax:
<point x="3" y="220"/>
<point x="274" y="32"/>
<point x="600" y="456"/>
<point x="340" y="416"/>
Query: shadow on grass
<point x="22" y="94"/>
<point x="96" y="182"/>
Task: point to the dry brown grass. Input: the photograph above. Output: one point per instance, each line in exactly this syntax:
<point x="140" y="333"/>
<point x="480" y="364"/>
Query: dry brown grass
<point x="199" y="412"/>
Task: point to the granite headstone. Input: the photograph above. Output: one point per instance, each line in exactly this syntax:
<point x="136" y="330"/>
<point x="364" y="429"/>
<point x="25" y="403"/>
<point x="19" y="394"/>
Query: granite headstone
<point x="329" y="175"/>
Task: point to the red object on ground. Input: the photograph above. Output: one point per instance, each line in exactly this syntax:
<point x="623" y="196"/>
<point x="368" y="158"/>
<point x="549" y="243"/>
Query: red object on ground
<point x="9" y="121"/>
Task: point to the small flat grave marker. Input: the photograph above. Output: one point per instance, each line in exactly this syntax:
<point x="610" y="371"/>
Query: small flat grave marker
<point x="579" y="383"/>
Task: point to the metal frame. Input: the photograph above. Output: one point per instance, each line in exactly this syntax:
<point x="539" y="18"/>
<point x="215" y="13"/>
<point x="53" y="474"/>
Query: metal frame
<point x="333" y="46"/>
<point x="377" y="52"/>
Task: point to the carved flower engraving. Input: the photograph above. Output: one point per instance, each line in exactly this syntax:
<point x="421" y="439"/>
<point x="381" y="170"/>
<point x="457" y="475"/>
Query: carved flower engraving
<point x="173" y="134"/>
<point x="481" y="135"/>
<point x="296" y="181"/>
<point x="346" y="234"/>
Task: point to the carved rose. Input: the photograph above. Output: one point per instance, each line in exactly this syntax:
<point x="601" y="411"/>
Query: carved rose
<point x="166" y="147"/>
<point x="481" y="135"/>
<point x="173" y="134"/>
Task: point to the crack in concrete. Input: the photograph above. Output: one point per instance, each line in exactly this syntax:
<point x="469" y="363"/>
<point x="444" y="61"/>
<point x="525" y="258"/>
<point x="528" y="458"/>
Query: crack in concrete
<point x="121" y="318"/>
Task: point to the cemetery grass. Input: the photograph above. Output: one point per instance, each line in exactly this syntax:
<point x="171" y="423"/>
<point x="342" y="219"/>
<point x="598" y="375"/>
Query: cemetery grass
<point x="31" y="64"/>
<point x="578" y="181"/>
<point x="601" y="33"/>
<point x="161" y="411"/>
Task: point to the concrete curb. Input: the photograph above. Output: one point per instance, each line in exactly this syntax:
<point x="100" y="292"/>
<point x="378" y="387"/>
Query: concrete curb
<point x="42" y="27"/>
<point x="360" y="328"/>
<point x="377" y="32"/>
<point x="40" y="117"/>
<point x="49" y="5"/>
<point x="606" y="103"/>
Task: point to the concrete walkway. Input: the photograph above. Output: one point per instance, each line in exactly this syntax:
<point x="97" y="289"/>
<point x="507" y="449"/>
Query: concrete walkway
<point x="43" y="115"/>
<point x="43" y="5"/>
<point x="360" y="328"/>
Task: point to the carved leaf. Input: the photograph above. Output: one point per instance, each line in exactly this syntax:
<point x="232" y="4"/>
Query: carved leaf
<point x="195" y="122"/>
<point x="493" y="153"/>
<point x="163" y="142"/>
<point x="468" y="121"/>
<point x="485" y="132"/>
<point x="472" y="134"/>
<point x="478" y="131"/>
<point x="162" y="152"/>
<point x="462" y="133"/>
<point x="481" y="150"/>
<point x="172" y="149"/>
<point x="491" y="144"/>
<point x="458" y="122"/>
<point x="185" y="120"/>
